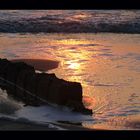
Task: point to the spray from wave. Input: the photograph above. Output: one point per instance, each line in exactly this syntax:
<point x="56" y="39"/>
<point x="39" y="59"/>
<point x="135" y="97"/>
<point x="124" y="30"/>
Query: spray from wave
<point x="7" y="104"/>
<point x="50" y="116"/>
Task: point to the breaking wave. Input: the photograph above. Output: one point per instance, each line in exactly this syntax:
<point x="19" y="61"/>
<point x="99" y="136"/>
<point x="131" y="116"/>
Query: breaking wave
<point x="70" y="21"/>
<point x="50" y="116"/>
<point x="7" y="105"/>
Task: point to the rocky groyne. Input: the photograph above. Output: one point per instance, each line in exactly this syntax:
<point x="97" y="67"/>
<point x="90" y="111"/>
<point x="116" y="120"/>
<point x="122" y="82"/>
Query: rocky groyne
<point x="22" y="82"/>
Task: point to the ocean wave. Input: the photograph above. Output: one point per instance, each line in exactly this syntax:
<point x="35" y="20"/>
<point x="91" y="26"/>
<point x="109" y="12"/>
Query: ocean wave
<point x="101" y="22"/>
<point x="66" y="27"/>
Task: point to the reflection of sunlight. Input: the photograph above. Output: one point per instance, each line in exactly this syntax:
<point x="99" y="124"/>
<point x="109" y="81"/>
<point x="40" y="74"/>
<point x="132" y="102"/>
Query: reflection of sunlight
<point x="81" y="16"/>
<point x="75" y="59"/>
<point x="72" y="42"/>
<point x="78" y="17"/>
<point x="74" y="65"/>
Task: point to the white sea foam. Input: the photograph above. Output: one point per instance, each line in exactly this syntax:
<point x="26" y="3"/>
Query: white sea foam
<point x="9" y="108"/>
<point x="7" y="104"/>
<point x="51" y="114"/>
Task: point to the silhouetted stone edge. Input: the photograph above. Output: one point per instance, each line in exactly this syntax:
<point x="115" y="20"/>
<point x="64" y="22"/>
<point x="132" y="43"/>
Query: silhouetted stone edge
<point x="24" y="84"/>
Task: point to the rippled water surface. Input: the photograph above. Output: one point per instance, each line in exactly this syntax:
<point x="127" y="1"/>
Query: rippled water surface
<point x="106" y="64"/>
<point x="70" y="21"/>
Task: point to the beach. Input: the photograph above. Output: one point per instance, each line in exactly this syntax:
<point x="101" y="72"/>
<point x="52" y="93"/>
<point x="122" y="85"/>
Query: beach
<point x="100" y="49"/>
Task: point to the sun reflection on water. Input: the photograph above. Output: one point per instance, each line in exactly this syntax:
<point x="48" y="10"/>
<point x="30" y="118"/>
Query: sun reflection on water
<point x="71" y="42"/>
<point x="74" y="65"/>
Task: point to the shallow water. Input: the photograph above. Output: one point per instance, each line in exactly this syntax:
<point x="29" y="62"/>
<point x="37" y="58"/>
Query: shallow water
<point x="107" y="65"/>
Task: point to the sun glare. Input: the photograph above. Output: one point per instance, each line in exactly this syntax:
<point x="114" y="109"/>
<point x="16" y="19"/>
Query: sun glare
<point x="71" y="42"/>
<point x="74" y="65"/>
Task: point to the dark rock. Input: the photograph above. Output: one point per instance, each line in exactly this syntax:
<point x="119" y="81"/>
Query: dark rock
<point x="9" y="73"/>
<point x="30" y="87"/>
<point x="22" y="82"/>
<point x="44" y="85"/>
<point x="3" y="66"/>
<point x="55" y="96"/>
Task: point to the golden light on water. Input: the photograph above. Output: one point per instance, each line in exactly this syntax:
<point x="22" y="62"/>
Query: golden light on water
<point x="74" y="65"/>
<point x="75" y="60"/>
<point x="71" y="42"/>
<point x="81" y="16"/>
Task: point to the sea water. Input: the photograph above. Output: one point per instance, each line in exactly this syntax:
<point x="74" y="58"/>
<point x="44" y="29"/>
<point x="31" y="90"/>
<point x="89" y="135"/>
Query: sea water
<point x="106" y="64"/>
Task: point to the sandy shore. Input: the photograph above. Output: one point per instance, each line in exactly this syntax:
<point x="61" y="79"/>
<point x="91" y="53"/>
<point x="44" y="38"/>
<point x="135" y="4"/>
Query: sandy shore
<point x="39" y="64"/>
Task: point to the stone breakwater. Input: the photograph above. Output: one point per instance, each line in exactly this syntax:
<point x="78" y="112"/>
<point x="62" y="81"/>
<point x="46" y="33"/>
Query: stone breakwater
<point x="22" y="83"/>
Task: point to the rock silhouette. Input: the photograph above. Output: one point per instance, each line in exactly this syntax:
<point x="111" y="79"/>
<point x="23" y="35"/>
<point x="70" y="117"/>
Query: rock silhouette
<point x="24" y="84"/>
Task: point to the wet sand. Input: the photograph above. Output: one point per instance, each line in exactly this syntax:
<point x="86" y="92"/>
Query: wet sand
<point x="39" y="64"/>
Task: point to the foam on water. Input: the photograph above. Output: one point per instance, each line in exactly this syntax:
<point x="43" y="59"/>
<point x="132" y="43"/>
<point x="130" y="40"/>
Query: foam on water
<point x="9" y="108"/>
<point x="8" y="105"/>
<point x="47" y="113"/>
